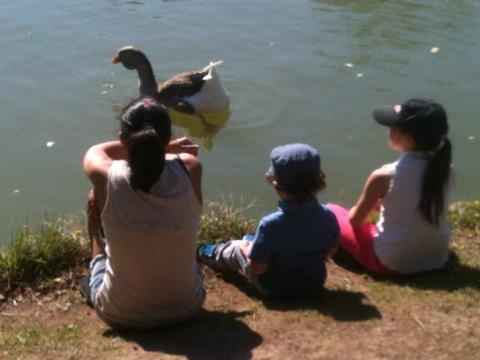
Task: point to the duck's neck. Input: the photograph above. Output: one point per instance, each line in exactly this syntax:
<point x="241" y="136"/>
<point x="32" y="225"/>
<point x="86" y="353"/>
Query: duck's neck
<point x="148" y="83"/>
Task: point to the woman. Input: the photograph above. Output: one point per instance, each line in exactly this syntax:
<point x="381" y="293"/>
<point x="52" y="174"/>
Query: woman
<point x="412" y="234"/>
<point x="143" y="217"/>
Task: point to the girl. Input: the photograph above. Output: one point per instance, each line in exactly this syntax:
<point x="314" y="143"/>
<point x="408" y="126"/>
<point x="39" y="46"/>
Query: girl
<point x="143" y="217"/>
<point x="412" y="234"/>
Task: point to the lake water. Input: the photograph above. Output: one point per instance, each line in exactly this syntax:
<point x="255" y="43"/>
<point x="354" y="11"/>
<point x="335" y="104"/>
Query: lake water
<point x="284" y="69"/>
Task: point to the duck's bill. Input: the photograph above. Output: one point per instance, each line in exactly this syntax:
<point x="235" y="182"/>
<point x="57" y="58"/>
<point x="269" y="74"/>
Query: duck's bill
<point x="115" y="60"/>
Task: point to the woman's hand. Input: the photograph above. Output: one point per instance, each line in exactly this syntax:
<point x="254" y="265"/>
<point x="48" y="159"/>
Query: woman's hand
<point x="182" y="145"/>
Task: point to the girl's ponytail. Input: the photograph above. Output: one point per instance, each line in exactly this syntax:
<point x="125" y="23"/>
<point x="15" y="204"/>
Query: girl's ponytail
<point x="435" y="180"/>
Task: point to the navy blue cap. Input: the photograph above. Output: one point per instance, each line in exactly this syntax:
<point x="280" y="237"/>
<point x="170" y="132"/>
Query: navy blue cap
<point x="293" y="163"/>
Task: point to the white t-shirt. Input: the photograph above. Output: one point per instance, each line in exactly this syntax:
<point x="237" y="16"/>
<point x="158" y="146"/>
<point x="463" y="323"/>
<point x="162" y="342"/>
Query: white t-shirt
<point x="406" y="242"/>
<point x="152" y="276"/>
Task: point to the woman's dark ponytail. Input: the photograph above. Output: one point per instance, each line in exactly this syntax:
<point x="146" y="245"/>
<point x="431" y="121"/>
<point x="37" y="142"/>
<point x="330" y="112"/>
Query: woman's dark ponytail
<point x="145" y="129"/>
<point x="435" y="181"/>
<point x="146" y="158"/>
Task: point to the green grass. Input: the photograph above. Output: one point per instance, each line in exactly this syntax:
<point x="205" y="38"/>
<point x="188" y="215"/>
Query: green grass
<point x="36" y="254"/>
<point x="34" y="336"/>
<point x="465" y="216"/>
<point x="64" y="341"/>
<point x="432" y="308"/>
<point x="224" y="221"/>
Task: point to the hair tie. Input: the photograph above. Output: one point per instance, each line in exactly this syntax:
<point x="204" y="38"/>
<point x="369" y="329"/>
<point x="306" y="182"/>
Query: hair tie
<point x="149" y="102"/>
<point x="146" y="103"/>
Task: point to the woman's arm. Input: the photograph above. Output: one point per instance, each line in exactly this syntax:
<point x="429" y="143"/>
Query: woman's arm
<point x="187" y="151"/>
<point x="100" y="156"/>
<point x="115" y="150"/>
<point x="194" y="168"/>
<point x="182" y="145"/>
<point x="376" y="187"/>
<point x="96" y="162"/>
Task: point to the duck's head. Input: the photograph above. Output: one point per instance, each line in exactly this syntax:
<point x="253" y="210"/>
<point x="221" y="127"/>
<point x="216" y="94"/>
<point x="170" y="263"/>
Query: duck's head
<point x="130" y="57"/>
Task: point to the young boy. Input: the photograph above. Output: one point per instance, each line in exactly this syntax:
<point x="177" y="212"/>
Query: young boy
<point x="286" y="256"/>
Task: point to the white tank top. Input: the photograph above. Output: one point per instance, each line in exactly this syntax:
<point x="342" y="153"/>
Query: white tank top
<point x="152" y="276"/>
<point x="406" y="242"/>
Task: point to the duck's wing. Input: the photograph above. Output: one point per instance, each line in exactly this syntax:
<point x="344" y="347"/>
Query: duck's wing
<point x="182" y="85"/>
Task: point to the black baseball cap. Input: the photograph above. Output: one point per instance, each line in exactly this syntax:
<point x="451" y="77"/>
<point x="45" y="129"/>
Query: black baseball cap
<point x="424" y="119"/>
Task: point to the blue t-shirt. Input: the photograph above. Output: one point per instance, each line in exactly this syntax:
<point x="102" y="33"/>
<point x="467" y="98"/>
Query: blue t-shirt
<point x="294" y="242"/>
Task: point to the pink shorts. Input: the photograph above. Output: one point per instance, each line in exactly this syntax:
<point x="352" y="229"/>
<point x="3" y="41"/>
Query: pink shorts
<point x="358" y="242"/>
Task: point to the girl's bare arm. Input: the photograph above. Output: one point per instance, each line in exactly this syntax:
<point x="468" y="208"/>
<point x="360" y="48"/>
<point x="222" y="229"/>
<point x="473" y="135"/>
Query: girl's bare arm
<point x="375" y="189"/>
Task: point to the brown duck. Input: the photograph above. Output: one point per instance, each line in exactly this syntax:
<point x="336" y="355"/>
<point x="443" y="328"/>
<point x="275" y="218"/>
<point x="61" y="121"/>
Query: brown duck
<point x="171" y="93"/>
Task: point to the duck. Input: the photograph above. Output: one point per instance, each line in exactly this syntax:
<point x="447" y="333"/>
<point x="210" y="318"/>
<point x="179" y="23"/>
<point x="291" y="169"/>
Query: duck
<point x="171" y="93"/>
<point x="189" y="96"/>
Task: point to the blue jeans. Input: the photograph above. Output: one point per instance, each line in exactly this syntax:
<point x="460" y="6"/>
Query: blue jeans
<point x="232" y="256"/>
<point x="98" y="267"/>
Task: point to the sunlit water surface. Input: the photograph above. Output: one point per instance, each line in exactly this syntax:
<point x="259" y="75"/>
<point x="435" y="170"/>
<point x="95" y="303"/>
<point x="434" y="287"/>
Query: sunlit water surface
<point x="285" y="70"/>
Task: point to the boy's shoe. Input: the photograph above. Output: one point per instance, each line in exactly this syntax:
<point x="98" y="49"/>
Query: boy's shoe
<point x="206" y="254"/>
<point x="249" y="237"/>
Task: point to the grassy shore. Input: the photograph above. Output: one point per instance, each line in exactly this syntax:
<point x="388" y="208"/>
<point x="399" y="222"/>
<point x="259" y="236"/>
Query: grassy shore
<point x="433" y="315"/>
<point x="37" y="255"/>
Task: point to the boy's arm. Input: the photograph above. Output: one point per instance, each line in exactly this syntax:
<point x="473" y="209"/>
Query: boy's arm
<point x="333" y="250"/>
<point x="260" y="251"/>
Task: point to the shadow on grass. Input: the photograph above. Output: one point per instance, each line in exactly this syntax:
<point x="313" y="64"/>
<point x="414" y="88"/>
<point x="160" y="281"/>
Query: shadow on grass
<point x="453" y="276"/>
<point x="342" y="305"/>
<point x="211" y="335"/>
